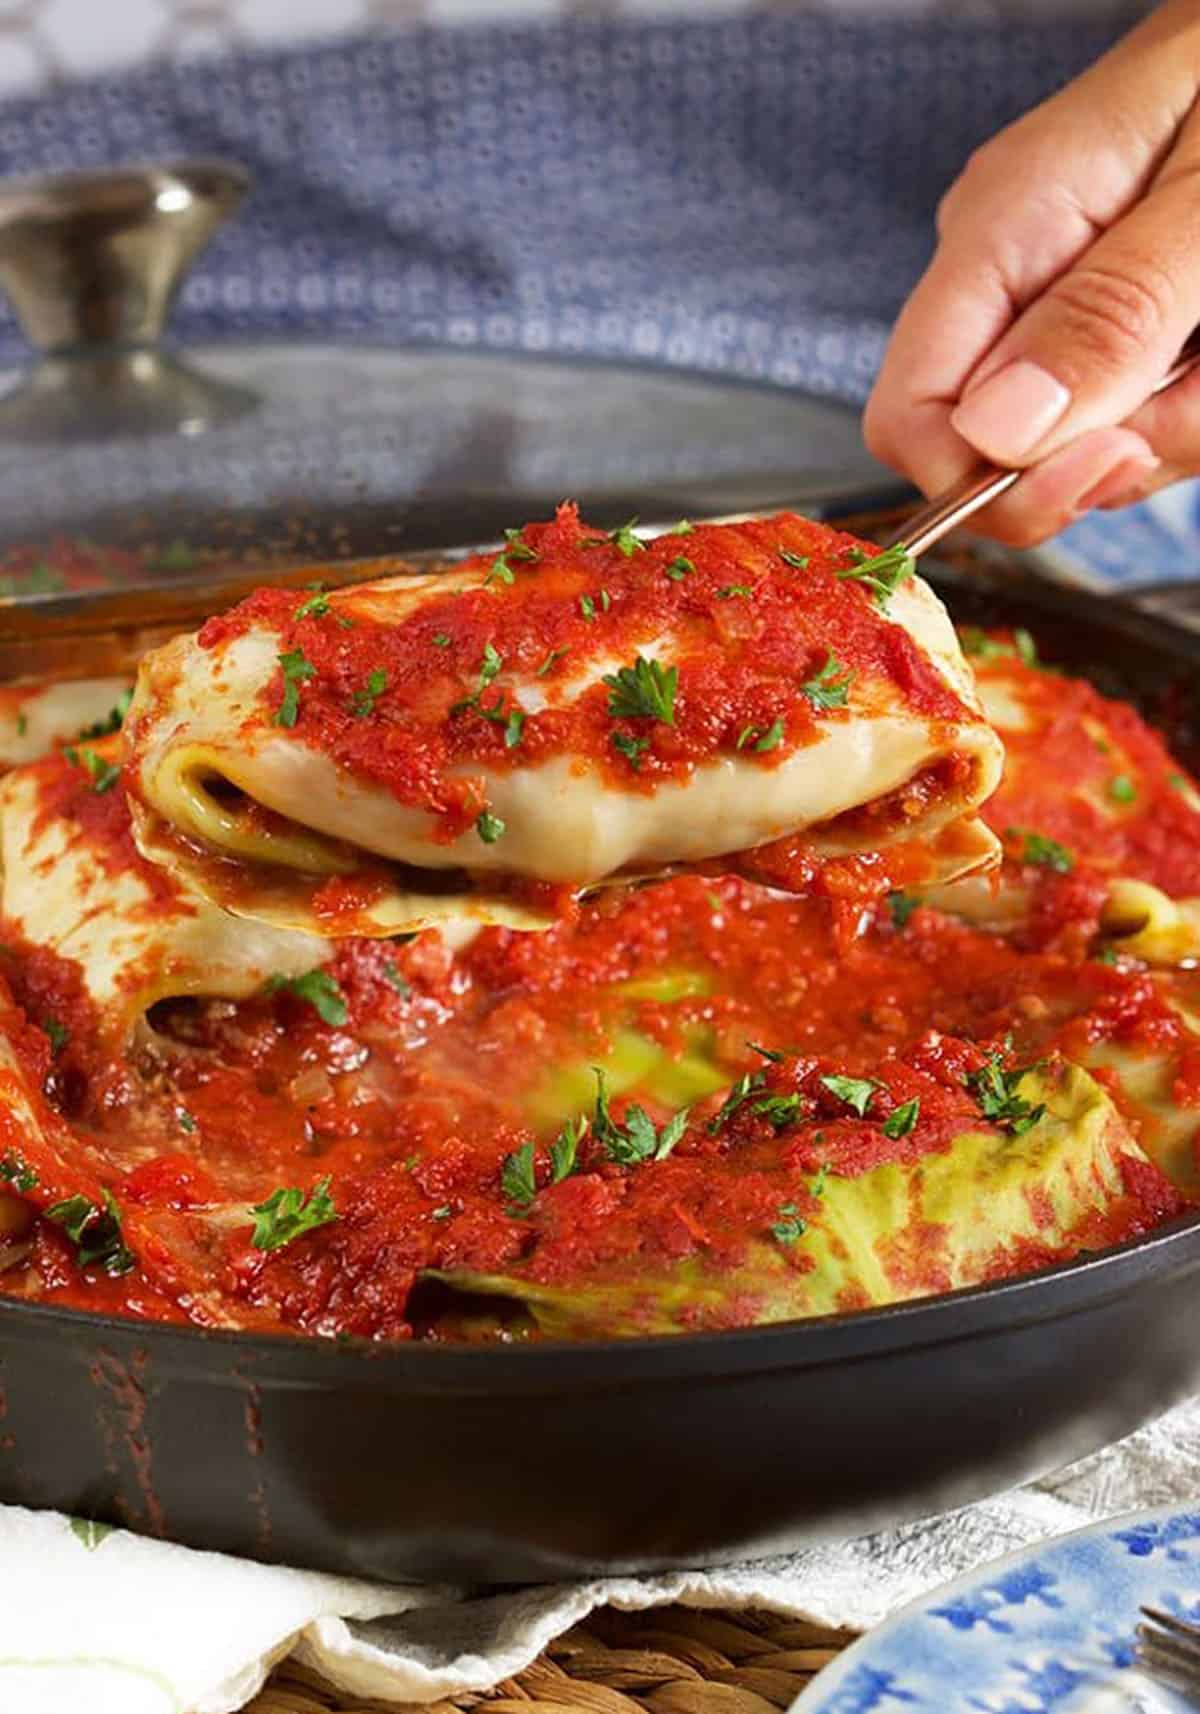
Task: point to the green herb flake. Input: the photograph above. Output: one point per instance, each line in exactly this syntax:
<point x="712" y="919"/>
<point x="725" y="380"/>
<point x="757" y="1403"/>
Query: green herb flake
<point x="1177" y="782"/>
<point x="771" y="738"/>
<point x="789" y="1227"/>
<point x="779" y="1111"/>
<point x="288" y="1213"/>
<point x="798" y="561"/>
<point x="103" y="775"/>
<point x="624" y="540"/>
<point x="631" y="748"/>
<point x="646" y="690"/>
<point x="14" y="1171"/>
<point x="57" y="1034"/>
<point x="746" y="1086"/>
<point x="636" y="1138"/>
<point x="680" y="567"/>
<point x="184" y="1120"/>
<point x="514" y="725"/>
<point x="441" y="640"/>
<point x="442" y="1213"/>
<point x="682" y="528"/>
<point x="489" y="827"/>
<point x="901" y="906"/>
<point x="829" y="687"/>
<point x="903" y="1119"/>
<point x="88" y="1532"/>
<point x="732" y="589"/>
<point x="1026" y="647"/>
<point x="112" y="721"/>
<point x="363" y="701"/>
<point x="391" y="975"/>
<point x="996" y="1092"/>
<point x="296" y="670"/>
<point x="1107" y="955"/>
<point x="95" y="1231"/>
<point x="770" y="1054"/>
<point x="22" y="724"/>
<point x="564" y="1150"/>
<point x="1122" y="789"/>
<point x="882" y="573"/>
<point x="316" y="607"/>
<point x="516" y="552"/>
<point x="551" y="658"/>
<point x="1041" y="852"/>
<point x="518" y="1180"/>
<point x="587" y="607"/>
<point x="319" y="989"/>
<point x="856" y="1092"/>
<point x="817" y="1187"/>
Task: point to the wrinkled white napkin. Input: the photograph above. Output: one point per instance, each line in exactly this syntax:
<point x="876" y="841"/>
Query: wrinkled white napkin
<point x="101" y="1619"/>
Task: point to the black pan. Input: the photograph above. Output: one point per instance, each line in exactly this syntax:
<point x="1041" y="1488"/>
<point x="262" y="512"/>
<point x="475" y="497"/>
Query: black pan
<point x="510" y="1465"/>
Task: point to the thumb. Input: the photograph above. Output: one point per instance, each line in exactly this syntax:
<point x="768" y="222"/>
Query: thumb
<point x="1088" y="351"/>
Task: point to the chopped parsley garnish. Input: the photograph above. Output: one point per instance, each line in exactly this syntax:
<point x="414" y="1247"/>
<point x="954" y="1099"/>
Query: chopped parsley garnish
<point x="95" y="1231"/>
<point x="57" y="1034"/>
<point x="682" y="528"/>
<point x="564" y="1150"/>
<point x="1177" y="781"/>
<point x="518" y="1180"/>
<point x="679" y="568"/>
<point x="288" y="1213"/>
<point x="747" y="1085"/>
<point x="644" y="690"/>
<point x="441" y="640"/>
<point x="1107" y="955"/>
<point x="901" y="907"/>
<point x="1042" y="852"/>
<point x="817" y="1187"/>
<point x="770" y="1054"/>
<point x="315" y="607"/>
<point x="489" y="666"/>
<point x="605" y="600"/>
<point x="624" y="540"/>
<point x="514" y="725"/>
<point x="883" y="573"/>
<point x="22" y="724"/>
<point x="996" y="1092"/>
<point x="363" y="701"/>
<point x="789" y="1227"/>
<point x="104" y="775"/>
<point x="830" y="686"/>
<point x="14" y="1171"/>
<point x="778" y="1110"/>
<point x="587" y="607"/>
<point x="771" y="737"/>
<point x="489" y="827"/>
<point x="798" y="561"/>
<point x="637" y="1138"/>
<point x="442" y="1213"/>
<point x="184" y="1120"/>
<point x="517" y="551"/>
<point x="319" y="989"/>
<point x="630" y="748"/>
<point x="112" y="722"/>
<point x="296" y="669"/>
<point x="856" y="1092"/>
<point x="1122" y="789"/>
<point x="394" y="979"/>
<point x="554" y="655"/>
<point x="977" y="643"/>
<point x="902" y="1119"/>
<point x="732" y="589"/>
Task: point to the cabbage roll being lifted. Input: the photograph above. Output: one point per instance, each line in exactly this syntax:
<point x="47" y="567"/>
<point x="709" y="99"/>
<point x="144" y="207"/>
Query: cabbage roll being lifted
<point x="769" y="697"/>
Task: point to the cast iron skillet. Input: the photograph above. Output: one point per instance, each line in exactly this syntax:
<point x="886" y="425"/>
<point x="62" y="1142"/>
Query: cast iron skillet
<point x="511" y="1465"/>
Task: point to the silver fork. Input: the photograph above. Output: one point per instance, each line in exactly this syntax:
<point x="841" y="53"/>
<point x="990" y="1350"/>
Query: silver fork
<point x="1170" y="1648"/>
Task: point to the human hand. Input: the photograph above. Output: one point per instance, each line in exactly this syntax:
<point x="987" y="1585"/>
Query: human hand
<point x="1066" y="278"/>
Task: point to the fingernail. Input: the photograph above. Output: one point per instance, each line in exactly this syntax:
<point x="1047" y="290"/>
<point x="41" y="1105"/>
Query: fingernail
<point x="1009" y="413"/>
<point x="1123" y="484"/>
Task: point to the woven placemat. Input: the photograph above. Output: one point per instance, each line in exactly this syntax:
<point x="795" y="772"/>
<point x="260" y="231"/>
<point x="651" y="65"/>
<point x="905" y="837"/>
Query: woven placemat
<point x="671" y="1660"/>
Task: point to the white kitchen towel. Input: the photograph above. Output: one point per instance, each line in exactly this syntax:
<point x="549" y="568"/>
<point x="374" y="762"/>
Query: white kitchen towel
<point x="101" y="1619"/>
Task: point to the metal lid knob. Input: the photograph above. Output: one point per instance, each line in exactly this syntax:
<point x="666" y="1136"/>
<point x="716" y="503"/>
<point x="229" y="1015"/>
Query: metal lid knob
<point x="96" y="258"/>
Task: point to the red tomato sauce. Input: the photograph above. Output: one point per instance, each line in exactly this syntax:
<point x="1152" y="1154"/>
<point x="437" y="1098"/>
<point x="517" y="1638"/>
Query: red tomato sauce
<point x="426" y="1098"/>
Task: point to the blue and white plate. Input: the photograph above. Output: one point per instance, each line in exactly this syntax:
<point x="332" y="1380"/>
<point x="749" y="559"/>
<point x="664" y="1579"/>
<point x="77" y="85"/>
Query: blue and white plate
<point x="1046" y="1631"/>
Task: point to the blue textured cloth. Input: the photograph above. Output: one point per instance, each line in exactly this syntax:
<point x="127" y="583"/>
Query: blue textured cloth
<point x="751" y="195"/>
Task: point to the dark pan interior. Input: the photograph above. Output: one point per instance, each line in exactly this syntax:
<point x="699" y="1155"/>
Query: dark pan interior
<point x="510" y="1465"/>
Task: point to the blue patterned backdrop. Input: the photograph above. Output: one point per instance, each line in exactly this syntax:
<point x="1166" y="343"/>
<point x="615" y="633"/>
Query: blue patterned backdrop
<point x="751" y="195"/>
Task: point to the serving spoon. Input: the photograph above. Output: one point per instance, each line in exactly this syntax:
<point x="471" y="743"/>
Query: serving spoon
<point x="986" y="482"/>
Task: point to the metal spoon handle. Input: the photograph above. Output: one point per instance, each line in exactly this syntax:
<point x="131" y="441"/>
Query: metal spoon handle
<point x="986" y="482"/>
